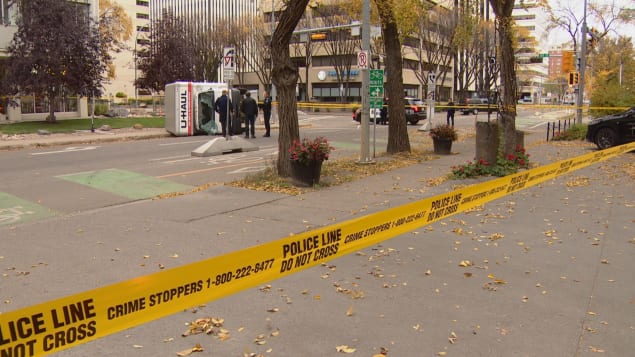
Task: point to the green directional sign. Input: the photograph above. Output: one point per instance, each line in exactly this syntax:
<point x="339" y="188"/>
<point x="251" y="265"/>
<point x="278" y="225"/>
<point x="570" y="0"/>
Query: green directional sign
<point x="376" y="88"/>
<point x="377" y="92"/>
<point x="543" y="55"/>
<point x="376" y="103"/>
<point x="376" y="77"/>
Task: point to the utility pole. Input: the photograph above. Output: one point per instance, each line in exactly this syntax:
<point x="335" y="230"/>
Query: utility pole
<point x="365" y="114"/>
<point x="273" y="29"/>
<point x="582" y="70"/>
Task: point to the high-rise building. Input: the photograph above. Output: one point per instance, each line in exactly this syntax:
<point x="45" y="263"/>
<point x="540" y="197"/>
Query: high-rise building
<point x="125" y="62"/>
<point x="530" y="21"/>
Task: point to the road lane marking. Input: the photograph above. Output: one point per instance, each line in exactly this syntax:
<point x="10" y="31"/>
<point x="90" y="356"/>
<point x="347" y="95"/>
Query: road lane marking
<point x="184" y="143"/>
<point x="200" y="171"/>
<point x="66" y="150"/>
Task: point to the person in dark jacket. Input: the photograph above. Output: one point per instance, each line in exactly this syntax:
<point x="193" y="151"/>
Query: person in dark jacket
<point x="383" y="113"/>
<point x="249" y="107"/>
<point x="221" y="106"/>
<point x="451" y="110"/>
<point x="266" y="111"/>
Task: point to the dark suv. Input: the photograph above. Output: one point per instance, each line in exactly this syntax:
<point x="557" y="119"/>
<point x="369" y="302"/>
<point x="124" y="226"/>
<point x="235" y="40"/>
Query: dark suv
<point x="415" y="111"/>
<point x="475" y="105"/>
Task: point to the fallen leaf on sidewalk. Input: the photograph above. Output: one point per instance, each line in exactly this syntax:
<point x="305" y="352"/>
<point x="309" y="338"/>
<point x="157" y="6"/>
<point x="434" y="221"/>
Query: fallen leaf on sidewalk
<point x="189" y="351"/>
<point x="345" y="349"/>
<point x="597" y="350"/>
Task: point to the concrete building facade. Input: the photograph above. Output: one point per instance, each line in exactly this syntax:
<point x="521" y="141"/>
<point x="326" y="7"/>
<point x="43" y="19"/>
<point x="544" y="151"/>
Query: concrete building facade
<point x="125" y="61"/>
<point x="320" y="80"/>
<point x="532" y="71"/>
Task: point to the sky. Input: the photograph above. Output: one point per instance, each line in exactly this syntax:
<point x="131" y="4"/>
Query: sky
<point x="558" y="36"/>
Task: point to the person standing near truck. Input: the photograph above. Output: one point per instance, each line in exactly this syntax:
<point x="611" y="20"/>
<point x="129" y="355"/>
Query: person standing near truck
<point x="249" y="107"/>
<point x="221" y="106"/>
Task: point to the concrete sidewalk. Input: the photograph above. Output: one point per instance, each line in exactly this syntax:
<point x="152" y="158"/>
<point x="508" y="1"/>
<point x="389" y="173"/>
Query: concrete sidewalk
<point x="550" y="270"/>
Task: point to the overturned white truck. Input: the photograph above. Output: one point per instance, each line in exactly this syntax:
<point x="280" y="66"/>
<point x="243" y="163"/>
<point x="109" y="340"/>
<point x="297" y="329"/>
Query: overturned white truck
<point x="189" y="108"/>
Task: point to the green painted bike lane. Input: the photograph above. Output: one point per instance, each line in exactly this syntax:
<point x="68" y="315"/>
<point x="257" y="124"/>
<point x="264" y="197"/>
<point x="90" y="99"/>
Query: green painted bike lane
<point x="123" y="183"/>
<point x="16" y="210"/>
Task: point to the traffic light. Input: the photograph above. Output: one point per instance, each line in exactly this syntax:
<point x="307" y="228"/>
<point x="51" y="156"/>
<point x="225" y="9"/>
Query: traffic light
<point x="571" y="78"/>
<point x="594" y="36"/>
<point x="576" y="78"/>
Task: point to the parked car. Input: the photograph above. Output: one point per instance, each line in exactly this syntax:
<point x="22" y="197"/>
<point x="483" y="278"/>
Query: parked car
<point x="373" y="113"/>
<point x="415" y="111"/>
<point x="611" y="130"/>
<point x="474" y="105"/>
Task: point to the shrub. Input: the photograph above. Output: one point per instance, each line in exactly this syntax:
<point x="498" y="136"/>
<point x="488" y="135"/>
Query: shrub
<point x="444" y="132"/>
<point x="575" y="132"/>
<point x="101" y="108"/>
<point x="504" y="166"/>
<point x="308" y="150"/>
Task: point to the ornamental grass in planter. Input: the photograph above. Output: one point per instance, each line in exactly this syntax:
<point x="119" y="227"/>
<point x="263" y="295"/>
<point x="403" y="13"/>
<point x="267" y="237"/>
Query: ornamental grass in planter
<point x="442" y="138"/>
<point x="306" y="157"/>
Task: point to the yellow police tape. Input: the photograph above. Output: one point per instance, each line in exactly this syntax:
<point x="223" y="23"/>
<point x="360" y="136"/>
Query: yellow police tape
<point x="67" y="322"/>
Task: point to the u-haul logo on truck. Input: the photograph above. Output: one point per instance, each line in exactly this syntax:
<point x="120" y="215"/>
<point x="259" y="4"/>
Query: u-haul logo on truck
<point x="184" y="112"/>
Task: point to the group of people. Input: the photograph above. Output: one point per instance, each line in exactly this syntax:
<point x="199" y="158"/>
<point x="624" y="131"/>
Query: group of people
<point x="249" y="108"/>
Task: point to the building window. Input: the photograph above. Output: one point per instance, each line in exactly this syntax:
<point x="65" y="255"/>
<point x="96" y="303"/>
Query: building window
<point x="143" y="16"/>
<point x="330" y="92"/>
<point x="143" y="3"/>
<point x="524" y="17"/>
<point x="34" y="104"/>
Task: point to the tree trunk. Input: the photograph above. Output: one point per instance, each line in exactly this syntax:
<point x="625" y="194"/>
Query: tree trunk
<point x="51" y="117"/>
<point x="503" y="10"/>
<point x="285" y="78"/>
<point x="398" y="140"/>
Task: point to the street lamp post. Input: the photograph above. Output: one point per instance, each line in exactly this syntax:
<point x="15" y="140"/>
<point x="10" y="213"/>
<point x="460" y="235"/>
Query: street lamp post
<point x="136" y="102"/>
<point x="273" y="29"/>
<point x="582" y="69"/>
<point x="365" y="119"/>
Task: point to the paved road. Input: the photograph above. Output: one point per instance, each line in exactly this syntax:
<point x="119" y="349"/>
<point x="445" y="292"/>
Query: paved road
<point x="40" y="182"/>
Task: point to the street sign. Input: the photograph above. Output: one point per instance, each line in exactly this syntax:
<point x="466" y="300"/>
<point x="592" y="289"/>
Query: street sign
<point x="377" y="92"/>
<point x="228" y="63"/>
<point x="376" y="103"/>
<point x="362" y="59"/>
<point x="543" y="55"/>
<point x="376" y="83"/>
<point x="376" y="77"/>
